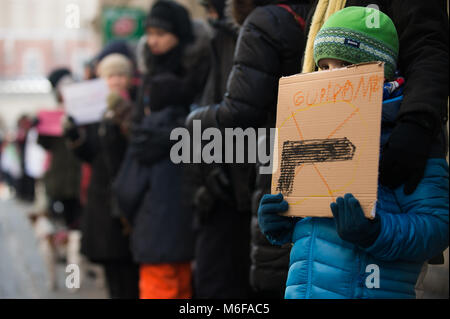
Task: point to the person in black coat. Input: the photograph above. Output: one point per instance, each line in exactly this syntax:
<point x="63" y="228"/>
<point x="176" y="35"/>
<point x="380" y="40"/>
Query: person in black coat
<point x="222" y="261"/>
<point x="25" y="183"/>
<point x="223" y="43"/>
<point x="105" y="236"/>
<point x="270" y="45"/>
<point x="62" y="179"/>
<point x="174" y="58"/>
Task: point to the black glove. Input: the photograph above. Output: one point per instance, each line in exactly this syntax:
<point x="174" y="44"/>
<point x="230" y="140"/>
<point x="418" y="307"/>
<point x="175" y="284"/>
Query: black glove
<point x="70" y="129"/>
<point x="219" y="185"/>
<point x="351" y="224"/>
<point x="404" y="156"/>
<point x="207" y="115"/>
<point x="217" y="188"/>
<point x="204" y="203"/>
<point x="150" y="145"/>
<point x="277" y="229"/>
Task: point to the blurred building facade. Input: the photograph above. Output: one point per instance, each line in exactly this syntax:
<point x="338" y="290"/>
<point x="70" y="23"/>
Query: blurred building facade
<point x="37" y="36"/>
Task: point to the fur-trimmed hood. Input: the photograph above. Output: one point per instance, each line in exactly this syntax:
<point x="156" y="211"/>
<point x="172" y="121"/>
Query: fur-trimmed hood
<point x="192" y="53"/>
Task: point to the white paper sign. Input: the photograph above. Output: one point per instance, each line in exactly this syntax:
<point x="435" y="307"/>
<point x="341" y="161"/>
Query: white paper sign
<point x="86" y="101"/>
<point x="35" y="155"/>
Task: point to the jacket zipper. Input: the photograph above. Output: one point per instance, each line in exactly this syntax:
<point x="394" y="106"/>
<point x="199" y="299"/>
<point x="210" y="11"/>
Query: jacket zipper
<point x="310" y="260"/>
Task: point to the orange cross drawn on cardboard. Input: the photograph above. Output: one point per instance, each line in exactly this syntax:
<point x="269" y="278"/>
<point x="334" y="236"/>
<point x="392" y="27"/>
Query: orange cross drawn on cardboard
<point x="331" y="137"/>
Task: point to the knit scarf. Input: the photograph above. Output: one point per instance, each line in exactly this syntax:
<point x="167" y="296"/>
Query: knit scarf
<point x="324" y="9"/>
<point x="168" y="62"/>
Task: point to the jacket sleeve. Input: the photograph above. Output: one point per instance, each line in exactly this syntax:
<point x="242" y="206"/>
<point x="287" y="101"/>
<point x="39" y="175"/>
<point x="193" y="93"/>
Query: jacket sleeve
<point x="47" y="142"/>
<point x="420" y="232"/>
<point x="422" y="28"/>
<point x="86" y="150"/>
<point x="130" y="185"/>
<point x="252" y="85"/>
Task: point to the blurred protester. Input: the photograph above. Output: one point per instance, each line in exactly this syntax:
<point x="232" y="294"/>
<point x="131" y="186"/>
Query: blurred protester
<point x="223" y="42"/>
<point x="270" y="45"/>
<point x="62" y="179"/>
<point x="221" y="262"/>
<point x="36" y="159"/>
<point x="25" y="183"/>
<point x="10" y="163"/>
<point x="36" y="165"/>
<point x="105" y="237"/>
<point x="89" y="74"/>
<point x="120" y="46"/>
<point x="174" y="59"/>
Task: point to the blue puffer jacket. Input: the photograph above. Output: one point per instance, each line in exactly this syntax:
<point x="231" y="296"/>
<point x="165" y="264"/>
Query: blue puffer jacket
<point x="414" y="229"/>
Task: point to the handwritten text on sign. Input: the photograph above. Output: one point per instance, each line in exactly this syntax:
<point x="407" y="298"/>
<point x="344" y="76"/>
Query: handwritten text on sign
<point x="327" y="144"/>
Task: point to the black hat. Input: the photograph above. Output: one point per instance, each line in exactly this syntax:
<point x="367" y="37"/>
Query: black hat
<point x="172" y="17"/>
<point x="218" y="5"/>
<point x="116" y="46"/>
<point x="56" y="75"/>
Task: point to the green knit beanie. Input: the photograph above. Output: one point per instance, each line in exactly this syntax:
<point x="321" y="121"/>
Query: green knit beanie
<point x="356" y="35"/>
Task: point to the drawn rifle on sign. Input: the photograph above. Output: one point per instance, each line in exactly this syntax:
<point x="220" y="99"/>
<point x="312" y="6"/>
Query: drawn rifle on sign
<point x="296" y="153"/>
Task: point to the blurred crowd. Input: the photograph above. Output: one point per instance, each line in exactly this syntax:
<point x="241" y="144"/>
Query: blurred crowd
<point x="160" y="229"/>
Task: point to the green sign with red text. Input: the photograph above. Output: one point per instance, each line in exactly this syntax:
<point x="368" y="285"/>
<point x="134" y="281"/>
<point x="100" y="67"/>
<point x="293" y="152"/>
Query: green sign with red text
<point x="122" y="23"/>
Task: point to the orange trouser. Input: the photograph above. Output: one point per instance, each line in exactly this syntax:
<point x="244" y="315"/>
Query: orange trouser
<point x="165" y="281"/>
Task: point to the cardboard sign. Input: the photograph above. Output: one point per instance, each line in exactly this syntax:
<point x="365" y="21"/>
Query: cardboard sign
<point x="328" y="137"/>
<point x="50" y="122"/>
<point x="86" y="101"/>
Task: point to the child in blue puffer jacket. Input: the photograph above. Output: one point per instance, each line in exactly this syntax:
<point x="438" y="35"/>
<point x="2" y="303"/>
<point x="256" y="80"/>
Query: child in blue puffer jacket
<point x="350" y="256"/>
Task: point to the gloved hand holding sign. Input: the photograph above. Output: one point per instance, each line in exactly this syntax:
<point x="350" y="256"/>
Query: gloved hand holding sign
<point x="277" y="229"/>
<point x="351" y="224"/>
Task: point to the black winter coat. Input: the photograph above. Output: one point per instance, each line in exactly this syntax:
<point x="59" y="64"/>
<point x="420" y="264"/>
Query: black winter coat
<point x="270" y="45"/>
<point x="162" y="225"/>
<point x="222" y="261"/>
<point x="190" y="63"/>
<point x="268" y="271"/>
<point x="103" y="239"/>
<point x="223" y="44"/>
